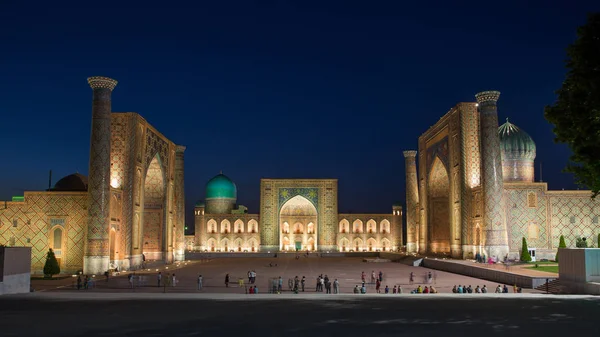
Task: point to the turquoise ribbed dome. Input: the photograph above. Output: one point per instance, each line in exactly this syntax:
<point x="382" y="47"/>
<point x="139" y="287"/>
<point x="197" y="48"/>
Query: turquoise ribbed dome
<point x="515" y="143"/>
<point x="221" y="187"/>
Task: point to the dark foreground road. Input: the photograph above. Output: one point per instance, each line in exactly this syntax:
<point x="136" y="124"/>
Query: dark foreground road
<point x="151" y="315"/>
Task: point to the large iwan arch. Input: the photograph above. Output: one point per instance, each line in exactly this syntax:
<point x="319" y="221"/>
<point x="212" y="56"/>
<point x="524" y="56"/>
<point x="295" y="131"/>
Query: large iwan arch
<point x="300" y="212"/>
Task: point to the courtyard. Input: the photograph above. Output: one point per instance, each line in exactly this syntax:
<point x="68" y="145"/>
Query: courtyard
<point x="347" y="270"/>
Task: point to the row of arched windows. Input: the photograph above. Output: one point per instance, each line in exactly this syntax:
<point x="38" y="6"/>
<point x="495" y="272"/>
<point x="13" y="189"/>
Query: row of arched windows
<point x="297" y="228"/>
<point x="225" y="227"/>
<point x="371" y="245"/>
<point x="371" y="226"/>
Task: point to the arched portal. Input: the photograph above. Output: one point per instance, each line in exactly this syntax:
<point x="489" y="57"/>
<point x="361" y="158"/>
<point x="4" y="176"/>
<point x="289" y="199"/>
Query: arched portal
<point x="371" y="244"/>
<point x="438" y="186"/>
<point x="57" y="243"/>
<point x="300" y="212"/>
<point x="154" y="234"/>
<point x="358" y="245"/>
<point x="344" y="226"/>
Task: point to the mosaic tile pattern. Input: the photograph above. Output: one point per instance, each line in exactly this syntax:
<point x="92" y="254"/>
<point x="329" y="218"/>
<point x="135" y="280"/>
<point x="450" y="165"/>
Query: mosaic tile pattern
<point x="492" y="182"/>
<point x="412" y="199"/>
<point x="153" y="230"/>
<point x="99" y="171"/>
<point x="521" y="218"/>
<point x="574" y="216"/>
<point x="36" y="216"/>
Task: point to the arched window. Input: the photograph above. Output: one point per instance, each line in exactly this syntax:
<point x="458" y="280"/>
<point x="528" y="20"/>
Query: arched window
<point x="344" y="226"/>
<point x="252" y="226"/>
<point x="211" y="226"/>
<point x="225" y="227"/>
<point x="285" y="228"/>
<point x="238" y="226"/>
<point x="56" y="243"/>
<point x="371" y="226"/>
<point x="385" y="227"/>
<point x="311" y="228"/>
<point x="357" y="226"/>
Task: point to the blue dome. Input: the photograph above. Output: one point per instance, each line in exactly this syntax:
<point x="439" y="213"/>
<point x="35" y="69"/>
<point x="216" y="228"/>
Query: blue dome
<point x="515" y="144"/>
<point x="221" y="187"/>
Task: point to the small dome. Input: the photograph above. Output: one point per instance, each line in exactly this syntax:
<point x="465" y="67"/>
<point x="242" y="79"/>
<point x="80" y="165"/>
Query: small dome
<point x="200" y="203"/>
<point x="221" y="187"/>
<point x="72" y="183"/>
<point x="515" y="143"/>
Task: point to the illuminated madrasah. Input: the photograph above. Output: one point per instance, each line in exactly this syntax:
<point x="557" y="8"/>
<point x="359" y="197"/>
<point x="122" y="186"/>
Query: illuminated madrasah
<point x="473" y="190"/>
<point x="295" y="215"/>
<point x="130" y="205"/>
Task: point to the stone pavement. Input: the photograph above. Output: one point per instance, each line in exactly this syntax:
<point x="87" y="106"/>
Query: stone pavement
<point x="92" y="314"/>
<point x="346" y="270"/>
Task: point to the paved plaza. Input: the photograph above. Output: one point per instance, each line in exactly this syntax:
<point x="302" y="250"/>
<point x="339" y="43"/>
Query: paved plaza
<point x="347" y="270"/>
<point x="92" y="314"/>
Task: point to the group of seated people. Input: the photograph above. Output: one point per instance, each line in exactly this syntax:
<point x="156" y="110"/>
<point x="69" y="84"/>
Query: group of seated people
<point x="424" y="290"/>
<point x="252" y="290"/>
<point x="499" y="289"/>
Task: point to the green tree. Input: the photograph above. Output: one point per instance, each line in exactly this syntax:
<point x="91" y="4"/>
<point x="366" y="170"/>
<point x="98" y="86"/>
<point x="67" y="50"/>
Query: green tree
<point x="51" y="267"/>
<point x="581" y="243"/>
<point x="561" y="244"/>
<point x="598" y="240"/>
<point x="576" y="112"/>
<point x="525" y="257"/>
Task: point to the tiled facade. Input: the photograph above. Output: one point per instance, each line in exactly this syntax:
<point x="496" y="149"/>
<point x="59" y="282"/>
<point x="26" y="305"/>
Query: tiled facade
<point x="128" y="210"/>
<point x="452" y="171"/>
<point x="297" y="214"/>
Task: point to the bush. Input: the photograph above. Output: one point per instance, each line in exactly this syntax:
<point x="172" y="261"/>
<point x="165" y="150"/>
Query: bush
<point x="525" y="257"/>
<point x="51" y="267"/>
<point x="581" y="243"/>
<point x="598" y="240"/>
<point x="561" y="244"/>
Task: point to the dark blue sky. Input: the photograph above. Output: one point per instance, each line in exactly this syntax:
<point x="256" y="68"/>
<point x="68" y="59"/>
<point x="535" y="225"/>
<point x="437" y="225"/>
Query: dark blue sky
<point x="280" y="89"/>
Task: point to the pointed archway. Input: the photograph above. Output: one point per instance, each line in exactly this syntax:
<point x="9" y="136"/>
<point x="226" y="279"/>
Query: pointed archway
<point x="300" y="212"/>
<point x="438" y="187"/>
<point x="153" y="228"/>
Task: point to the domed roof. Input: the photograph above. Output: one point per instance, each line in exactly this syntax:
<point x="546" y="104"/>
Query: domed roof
<point x="221" y="187"/>
<point x="72" y="183"/>
<point x="515" y="143"/>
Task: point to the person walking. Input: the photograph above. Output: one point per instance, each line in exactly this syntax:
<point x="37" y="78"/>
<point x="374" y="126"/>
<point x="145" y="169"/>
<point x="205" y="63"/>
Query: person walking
<point x="303" y="282"/>
<point x="226" y="280"/>
<point x="159" y="278"/>
<point x="131" y="280"/>
<point x="174" y="280"/>
<point x="199" y="282"/>
<point x="79" y="282"/>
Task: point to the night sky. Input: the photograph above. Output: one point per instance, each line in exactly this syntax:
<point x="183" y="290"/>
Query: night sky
<point x="277" y="89"/>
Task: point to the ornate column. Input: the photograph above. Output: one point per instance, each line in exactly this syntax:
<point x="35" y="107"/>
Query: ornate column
<point x="496" y="235"/>
<point x="412" y="200"/>
<point x="179" y="249"/>
<point x="97" y="257"/>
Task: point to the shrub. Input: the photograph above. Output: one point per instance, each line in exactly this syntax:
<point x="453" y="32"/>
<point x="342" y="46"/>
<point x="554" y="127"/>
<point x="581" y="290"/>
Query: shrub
<point x="51" y="267"/>
<point x="525" y="257"/>
<point x="561" y="244"/>
<point x="581" y="243"/>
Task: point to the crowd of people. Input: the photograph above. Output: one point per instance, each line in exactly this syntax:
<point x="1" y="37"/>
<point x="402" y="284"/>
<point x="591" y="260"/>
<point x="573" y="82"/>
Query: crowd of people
<point x="463" y="289"/>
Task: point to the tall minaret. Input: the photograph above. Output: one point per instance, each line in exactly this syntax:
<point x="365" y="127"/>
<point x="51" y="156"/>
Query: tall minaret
<point x="412" y="200"/>
<point x="179" y="248"/>
<point x="496" y="235"/>
<point x="97" y="257"/>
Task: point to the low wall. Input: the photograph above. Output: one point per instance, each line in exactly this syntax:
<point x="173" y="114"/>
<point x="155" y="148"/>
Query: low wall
<point x="15" y="270"/>
<point x="579" y="264"/>
<point x="493" y="275"/>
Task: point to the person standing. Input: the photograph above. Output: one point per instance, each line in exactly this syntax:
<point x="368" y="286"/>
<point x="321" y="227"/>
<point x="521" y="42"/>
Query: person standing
<point x="336" y="287"/>
<point x="200" y="282"/>
<point x="226" y="280"/>
<point x="303" y="282"/>
<point x="131" y="280"/>
<point x="411" y="278"/>
<point x="159" y="278"/>
<point x="174" y="280"/>
<point x="377" y="286"/>
<point x="279" y="284"/>
<point x="79" y="282"/>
